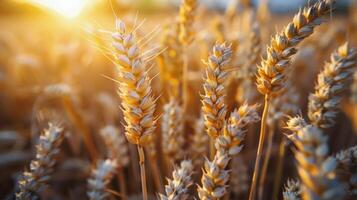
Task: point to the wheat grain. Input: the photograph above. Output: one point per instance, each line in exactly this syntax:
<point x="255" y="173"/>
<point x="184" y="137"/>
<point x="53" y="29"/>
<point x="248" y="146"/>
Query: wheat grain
<point x="335" y="78"/>
<point x="34" y="181"/>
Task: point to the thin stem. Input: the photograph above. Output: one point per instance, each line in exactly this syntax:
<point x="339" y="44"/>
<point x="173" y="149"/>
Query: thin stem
<point x="82" y="127"/>
<point x="279" y="169"/>
<point x="185" y="79"/>
<point x="260" y="147"/>
<point x="122" y="184"/>
<point x="142" y="172"/>
<point x="157" y="175"/>
<point x="266" y="162"/>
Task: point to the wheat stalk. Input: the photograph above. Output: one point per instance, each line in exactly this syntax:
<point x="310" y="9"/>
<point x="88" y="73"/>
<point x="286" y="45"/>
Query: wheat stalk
<point x="335" y="78"/>
<point x="177" y="187"/>
<point x="292" y="190"/>
<point x="41" y="168"/>
<point x="215" y="175"/>
<point x="315" y="168"/>
<point x="284" y="105"/>
<point x="272" y="71"/>
<point x="100" y="178"/>
<point x="172" y="131"/>
<point x="138" y="103"/>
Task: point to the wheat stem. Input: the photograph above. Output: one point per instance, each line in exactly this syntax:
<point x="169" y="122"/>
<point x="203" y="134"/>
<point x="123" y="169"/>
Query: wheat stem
<point x="122" y="184"/>
<point x="185" y="79"/>
<point x="279" y="169"/>
<point x="142" y="172"/>
<point x="266" y="162"/>
<point x="260" y="147"/>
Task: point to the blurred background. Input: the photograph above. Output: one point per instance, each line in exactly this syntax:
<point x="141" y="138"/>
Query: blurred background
<point x="52" y="68"/>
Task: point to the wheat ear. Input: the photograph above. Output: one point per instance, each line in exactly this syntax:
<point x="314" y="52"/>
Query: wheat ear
<point x="199" y="143"/>
<point x="246" y="89"/>
<point x="228" y="144"/>
<point x="347" y="169"/>
<point x="138" y="103"/>
<point x="272" y="71"/>
<point x="331" y="81"/>
<point x="118" y="151"/>
<point x="117" y="146"/>
<point x="177" y="187"/>
<point x="292" y="190"/>
<point x="100" y="178"/>
<point x="172" y="131"/>
<point x="186" y="20"/>
<point x="316" y="170"/>
<point x="186" y="35"/>
<point x="171" y="60"/>
<point x="41" y="168"/>
<point x="213" y="106"/>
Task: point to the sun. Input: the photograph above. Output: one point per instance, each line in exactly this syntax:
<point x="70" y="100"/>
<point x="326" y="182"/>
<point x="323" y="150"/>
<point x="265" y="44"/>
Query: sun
<point x="67" y="8"/>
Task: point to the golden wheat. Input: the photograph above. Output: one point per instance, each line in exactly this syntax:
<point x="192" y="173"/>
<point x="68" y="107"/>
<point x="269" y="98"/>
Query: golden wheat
<point x="41" y="168"/>
<point x="334" y="79"/>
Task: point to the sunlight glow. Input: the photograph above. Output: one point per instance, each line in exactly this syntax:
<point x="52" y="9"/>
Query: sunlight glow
<point x="68" y="8"/>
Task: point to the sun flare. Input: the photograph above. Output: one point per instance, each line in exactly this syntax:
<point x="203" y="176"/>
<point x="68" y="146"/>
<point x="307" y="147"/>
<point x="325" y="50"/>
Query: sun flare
<point x="68" y="8"/>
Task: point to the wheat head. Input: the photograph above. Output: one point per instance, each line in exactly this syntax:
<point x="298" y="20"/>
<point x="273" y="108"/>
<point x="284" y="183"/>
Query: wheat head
<point x="177" y="187"/>
<point x="42" y="167"/>
<point x="116" y="145"/>
<point x="138" y="103"/>
<point x="292" y="190"/>
<point x="316" y="170"/>
<point x="272" y="71"/>
<point x="215" y="175"/>
<point x="347" y="169"/>
<point x="172" y="127"/>
<point x="213" y="105"/>
<point x="100" y="178"/>
<point x="331" y="81"/>
<point x="186" y="19"/>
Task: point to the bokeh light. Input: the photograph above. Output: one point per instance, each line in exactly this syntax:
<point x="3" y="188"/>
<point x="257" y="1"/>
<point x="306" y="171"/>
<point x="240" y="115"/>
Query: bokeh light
<point x="67" y="8"/>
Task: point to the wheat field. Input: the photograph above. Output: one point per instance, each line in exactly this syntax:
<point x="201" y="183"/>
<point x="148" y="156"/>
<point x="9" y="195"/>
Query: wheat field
<point x="179" y="102"/>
